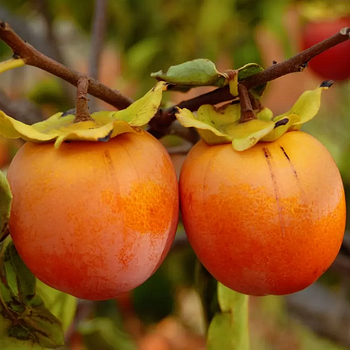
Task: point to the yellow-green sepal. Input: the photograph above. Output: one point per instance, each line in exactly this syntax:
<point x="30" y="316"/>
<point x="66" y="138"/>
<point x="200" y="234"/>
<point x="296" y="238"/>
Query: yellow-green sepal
<point x="304" y="109"/>
<point x="105" y="124"/>
<point x="221" y="125"/>
<point x="248" y="134"/>
<point x="206" y="128"/>
<point x="11" y="64"/>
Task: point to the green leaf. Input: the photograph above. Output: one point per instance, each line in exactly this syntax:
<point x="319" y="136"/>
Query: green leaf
<point x="102" y="333"/>
<point x="247" y="71"/>
<point x="31" y="322"/>
<point x="19" y="279"/>
<point x="229" y="329"/>
<point x="5" y="205"/>
<point x="105" y="124"/>
<point x="198" y="72"/>
<point x="60" y="304"/>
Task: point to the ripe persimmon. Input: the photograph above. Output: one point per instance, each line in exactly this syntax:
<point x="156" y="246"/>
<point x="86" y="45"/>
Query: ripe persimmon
<point x="269" y="220"/>
<point x="94" y="219"/>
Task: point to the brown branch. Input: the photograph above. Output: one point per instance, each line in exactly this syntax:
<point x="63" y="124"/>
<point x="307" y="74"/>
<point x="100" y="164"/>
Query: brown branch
<point x="165" y="117"/>
<point x="35" y="58"/>
<point x="82" y="110"/>
<point x="247" y="112"/>
<point x="96" y="47"/>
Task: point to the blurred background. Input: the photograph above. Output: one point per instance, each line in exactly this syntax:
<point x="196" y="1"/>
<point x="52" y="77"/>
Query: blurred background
<point x="133" y="38"/>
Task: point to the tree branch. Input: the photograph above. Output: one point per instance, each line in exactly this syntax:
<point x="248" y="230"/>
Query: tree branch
<point x="32" y="57"/>
<point x="164" y="117"/>
<point x="297" y="63"/>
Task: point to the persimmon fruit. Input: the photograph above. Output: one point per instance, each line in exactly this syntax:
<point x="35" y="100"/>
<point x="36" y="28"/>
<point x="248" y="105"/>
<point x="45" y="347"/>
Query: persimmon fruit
<point x="269" y="220"/>
<point x="94" y="219"/>
<point x="335" y="62"/>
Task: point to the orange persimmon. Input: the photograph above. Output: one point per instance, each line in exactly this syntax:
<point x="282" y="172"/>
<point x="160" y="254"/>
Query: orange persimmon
<point x="94" y="219"/>
<point x="268" y="220"/>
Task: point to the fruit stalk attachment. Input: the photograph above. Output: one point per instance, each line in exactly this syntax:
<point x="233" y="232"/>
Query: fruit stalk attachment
<point x="82" y="109"/>
<point x="247" y="112"/>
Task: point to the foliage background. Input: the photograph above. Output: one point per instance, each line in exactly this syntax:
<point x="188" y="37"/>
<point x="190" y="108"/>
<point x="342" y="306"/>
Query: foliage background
<point x="143" y="37"/>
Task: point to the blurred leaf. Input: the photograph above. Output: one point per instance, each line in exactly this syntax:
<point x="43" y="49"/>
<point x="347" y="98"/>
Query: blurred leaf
<point x="154" y="299"/>
<point x="5" y="205"/>
<point x="31" y="321"/>
<point x="199" y="72"/>
<point x="62" y="305"/>
<point x="102" y="333"/>
<point x="273" y="17"/>
<point x="49" y="92"/>
<point x="206" y="286"/>
<point x="229" y="329"/>
<point x="140" y="56"/>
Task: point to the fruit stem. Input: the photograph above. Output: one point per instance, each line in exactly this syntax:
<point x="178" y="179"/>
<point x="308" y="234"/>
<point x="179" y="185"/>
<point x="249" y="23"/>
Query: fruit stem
<point x="82" y="113"/>
<point x="247" y="112"/>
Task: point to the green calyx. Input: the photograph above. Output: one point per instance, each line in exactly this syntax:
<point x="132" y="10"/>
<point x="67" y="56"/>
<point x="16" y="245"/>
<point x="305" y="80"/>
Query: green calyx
<point x="222" y="125"/>
<point x="105" y="124"/>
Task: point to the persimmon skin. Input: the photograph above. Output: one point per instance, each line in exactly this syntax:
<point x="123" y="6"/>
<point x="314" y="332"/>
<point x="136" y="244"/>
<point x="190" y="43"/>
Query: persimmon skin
<point x="269" y="220"/>
<point x="94" y="219"/>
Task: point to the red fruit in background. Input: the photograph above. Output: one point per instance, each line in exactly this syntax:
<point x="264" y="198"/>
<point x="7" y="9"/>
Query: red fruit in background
<point x="334" y="63"/>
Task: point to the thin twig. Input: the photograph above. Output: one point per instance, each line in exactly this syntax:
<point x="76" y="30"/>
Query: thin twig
<point x="97" y="39"/>
<point x="82" y="109"/>
<point x="32" y="57"/>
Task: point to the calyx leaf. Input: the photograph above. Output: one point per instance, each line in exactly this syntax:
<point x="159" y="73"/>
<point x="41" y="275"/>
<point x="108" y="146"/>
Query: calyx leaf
<point x="30" y="321"/>
<point x="106" y="124"/>
<point x="221" y="125"/>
